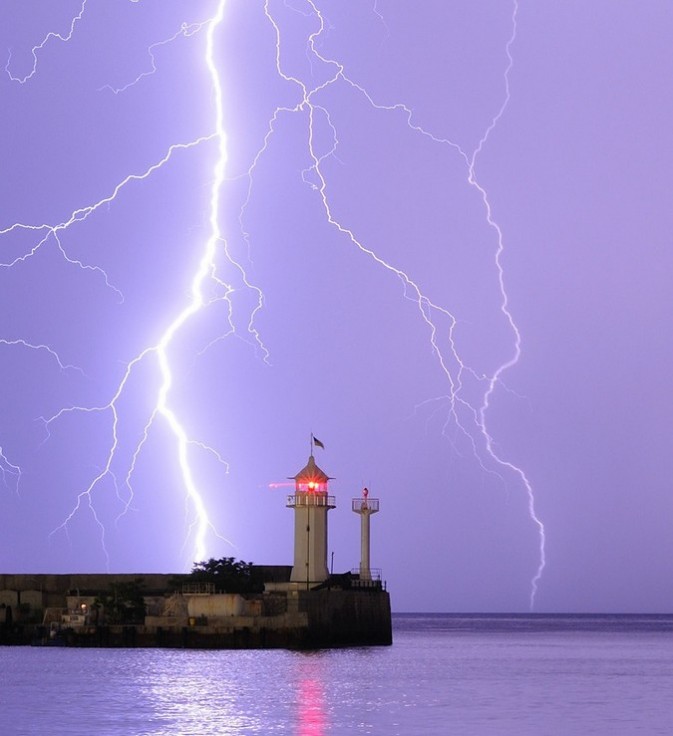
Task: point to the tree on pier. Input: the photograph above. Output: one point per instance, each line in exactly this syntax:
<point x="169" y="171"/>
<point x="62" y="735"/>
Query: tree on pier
<point x="227" y="574"/>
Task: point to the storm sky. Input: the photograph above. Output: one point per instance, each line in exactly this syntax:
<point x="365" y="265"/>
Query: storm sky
<point x="441" y="238"/>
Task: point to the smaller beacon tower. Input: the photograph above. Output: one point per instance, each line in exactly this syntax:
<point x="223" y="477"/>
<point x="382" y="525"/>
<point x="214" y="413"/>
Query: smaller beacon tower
<point x="311" y="504"/>
<point x="365" y="506"/>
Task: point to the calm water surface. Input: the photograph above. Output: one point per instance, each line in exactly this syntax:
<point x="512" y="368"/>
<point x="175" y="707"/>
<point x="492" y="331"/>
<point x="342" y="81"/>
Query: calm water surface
<point x="443" y="675"/>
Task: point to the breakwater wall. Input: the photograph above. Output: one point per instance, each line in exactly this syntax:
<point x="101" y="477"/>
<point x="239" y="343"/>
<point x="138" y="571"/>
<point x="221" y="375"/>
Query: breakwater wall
<point x="66" y="610"/>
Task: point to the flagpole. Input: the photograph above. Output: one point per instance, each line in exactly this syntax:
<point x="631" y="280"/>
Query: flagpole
<point x="311" y="444"/>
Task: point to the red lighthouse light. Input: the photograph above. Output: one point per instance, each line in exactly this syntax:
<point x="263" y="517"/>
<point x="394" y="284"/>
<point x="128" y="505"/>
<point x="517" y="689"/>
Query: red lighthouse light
<point x="311" y="479"/>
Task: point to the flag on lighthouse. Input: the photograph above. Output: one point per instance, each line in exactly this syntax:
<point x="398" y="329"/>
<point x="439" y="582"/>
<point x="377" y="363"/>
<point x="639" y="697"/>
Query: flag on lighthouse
<point x="317" y="442"/>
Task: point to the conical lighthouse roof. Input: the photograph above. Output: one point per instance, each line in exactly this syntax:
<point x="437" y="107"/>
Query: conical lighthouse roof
<point x="311" y="473"/>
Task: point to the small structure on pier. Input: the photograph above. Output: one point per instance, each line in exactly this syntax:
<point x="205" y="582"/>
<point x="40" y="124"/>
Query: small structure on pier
<point x="365" y="506"/>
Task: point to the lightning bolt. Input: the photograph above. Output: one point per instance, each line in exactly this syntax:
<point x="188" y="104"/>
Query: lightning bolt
<point x="41" y="45"/>
<point x="496" y="378"/>
<point x="41" y="347"/>
<point x="186" y="30"/>
<point x="468" y="417"/>
<point x="8" y="468"/>
<point x="206" y="288"/>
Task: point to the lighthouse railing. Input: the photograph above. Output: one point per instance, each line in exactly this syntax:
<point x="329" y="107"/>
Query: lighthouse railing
<point x="365" y="504"/>
<point x="311" y="499"/>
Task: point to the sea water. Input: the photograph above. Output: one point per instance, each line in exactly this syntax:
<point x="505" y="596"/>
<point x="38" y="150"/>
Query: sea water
<point x="462" y="675"/>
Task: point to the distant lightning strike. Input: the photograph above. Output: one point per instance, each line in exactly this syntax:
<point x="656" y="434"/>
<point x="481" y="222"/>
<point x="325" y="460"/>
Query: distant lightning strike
<point x="504" y="307"/>
<point x="428" y="310"/>
<point x="205" y="272"/>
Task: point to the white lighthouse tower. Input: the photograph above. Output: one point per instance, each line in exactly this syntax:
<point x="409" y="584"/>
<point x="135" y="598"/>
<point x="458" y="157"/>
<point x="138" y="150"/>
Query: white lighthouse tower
<point x="311" y="504"/>
<point x="365" y="506"/>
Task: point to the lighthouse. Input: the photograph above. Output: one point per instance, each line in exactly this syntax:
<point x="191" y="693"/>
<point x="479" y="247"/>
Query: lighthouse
<point x="365" y="506"/>
<point x="311" y="503"/>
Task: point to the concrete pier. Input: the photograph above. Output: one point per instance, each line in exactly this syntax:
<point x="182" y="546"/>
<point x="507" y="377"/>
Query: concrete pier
<point x="337" y="613"/>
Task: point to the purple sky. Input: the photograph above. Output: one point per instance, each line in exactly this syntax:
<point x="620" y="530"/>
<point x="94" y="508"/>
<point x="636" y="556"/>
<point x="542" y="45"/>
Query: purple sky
<point x="439" y="178"/>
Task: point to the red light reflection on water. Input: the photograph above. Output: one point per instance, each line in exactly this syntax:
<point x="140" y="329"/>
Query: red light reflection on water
<point x="312" y="716"/>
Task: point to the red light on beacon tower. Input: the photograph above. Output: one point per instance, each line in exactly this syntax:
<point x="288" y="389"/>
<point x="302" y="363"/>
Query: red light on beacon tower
<point x="311" y="487"/>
